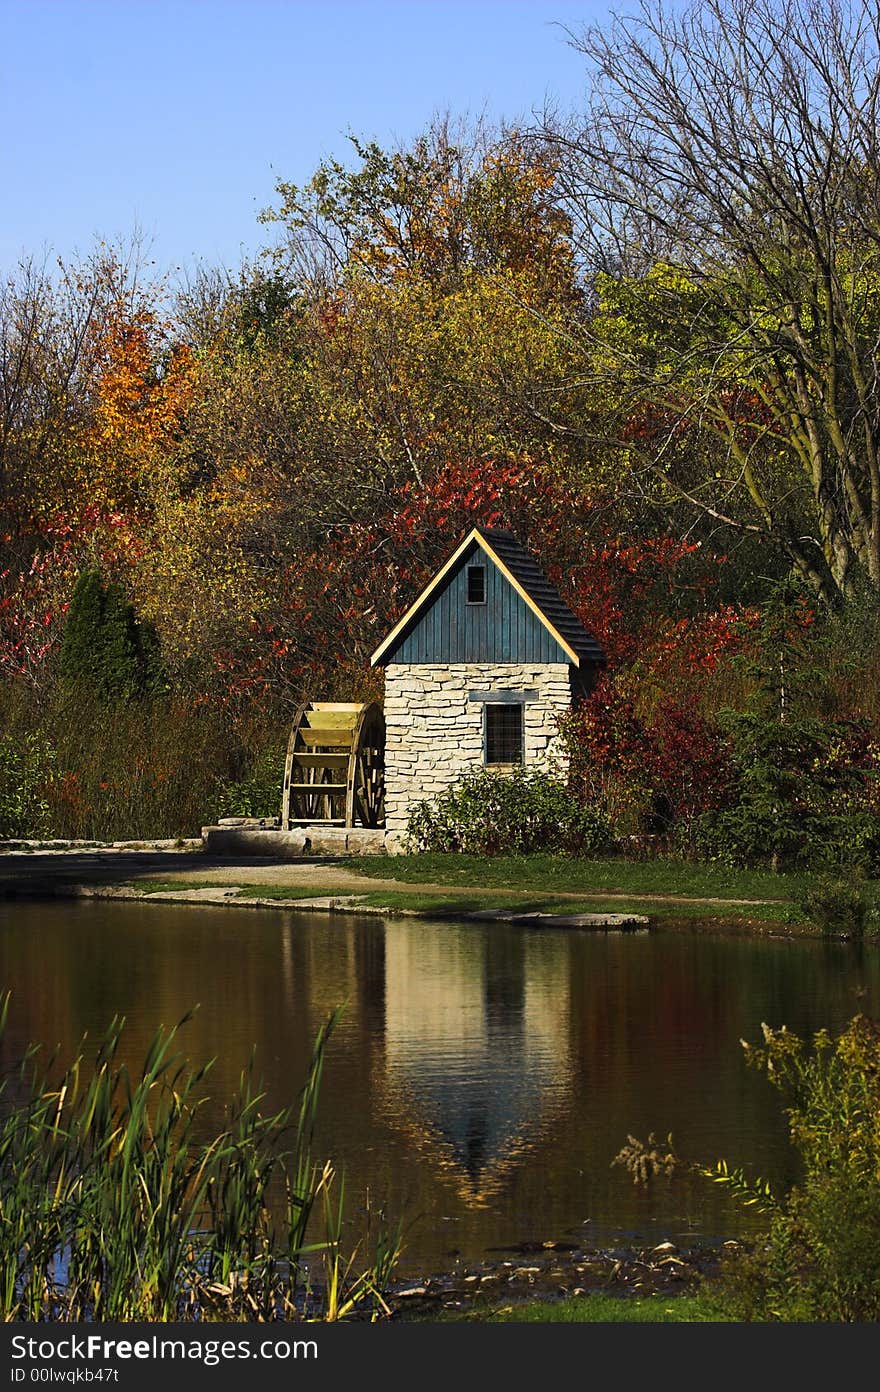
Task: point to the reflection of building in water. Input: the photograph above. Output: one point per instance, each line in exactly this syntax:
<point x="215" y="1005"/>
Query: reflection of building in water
<point x="477" y="1060"/>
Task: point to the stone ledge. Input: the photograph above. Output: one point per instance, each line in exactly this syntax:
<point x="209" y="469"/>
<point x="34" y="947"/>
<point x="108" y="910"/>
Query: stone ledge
<point x="557" y="920"/>
<point x="77" y="847"/>
<point x="290" y="845"/>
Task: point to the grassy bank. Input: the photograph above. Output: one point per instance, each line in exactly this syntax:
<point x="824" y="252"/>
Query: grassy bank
<point x="459" y="886"/>
<point x="598" y="1308"/>
<point x="572" y="876"/>
<point x="453" y="901"/>
<point x="458" y="901"/>
<point x="662" y="889"/>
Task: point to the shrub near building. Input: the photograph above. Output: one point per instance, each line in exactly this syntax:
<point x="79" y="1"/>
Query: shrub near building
<point x="520" y="813"/>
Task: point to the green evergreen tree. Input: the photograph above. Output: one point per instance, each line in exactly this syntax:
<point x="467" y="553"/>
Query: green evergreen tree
<point x="105" y="647"/>
<point x="118" y="665"/>
<point x="82" y="630"/>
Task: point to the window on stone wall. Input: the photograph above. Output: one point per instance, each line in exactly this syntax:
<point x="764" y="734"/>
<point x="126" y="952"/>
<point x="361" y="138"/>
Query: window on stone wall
<point x="503" y="733"/>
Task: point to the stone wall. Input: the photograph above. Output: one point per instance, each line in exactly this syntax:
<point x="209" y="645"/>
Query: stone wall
<point x="230" y="840"/>
<point x="434" y="731"/>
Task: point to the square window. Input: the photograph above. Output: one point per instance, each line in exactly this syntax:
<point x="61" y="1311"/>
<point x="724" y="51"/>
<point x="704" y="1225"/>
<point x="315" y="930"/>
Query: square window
<point x="476" y="584"/>
<point x="504" y="733"/>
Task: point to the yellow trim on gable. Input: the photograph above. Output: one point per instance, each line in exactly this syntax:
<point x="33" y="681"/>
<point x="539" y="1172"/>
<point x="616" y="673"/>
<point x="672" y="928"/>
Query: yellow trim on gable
<point x="473" y="535"/>
<point x="428" y="590"/>
<point x="536" y="610"/>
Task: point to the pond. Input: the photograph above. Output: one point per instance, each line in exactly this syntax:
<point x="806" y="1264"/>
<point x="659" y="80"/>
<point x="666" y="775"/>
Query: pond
<point x="483" y="1077"/>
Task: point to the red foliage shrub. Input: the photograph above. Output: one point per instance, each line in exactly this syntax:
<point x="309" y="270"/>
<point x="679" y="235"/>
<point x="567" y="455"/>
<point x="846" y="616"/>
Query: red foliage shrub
<point x="650" y="778"/>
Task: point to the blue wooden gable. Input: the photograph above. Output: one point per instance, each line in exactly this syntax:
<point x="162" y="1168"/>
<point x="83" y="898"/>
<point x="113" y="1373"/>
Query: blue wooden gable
<point x="521" y="617"/>
<point x="503" y="629"/>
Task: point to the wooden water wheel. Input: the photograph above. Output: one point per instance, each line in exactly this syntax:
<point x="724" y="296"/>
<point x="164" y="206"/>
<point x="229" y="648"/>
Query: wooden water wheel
<point x="335" y="768"/>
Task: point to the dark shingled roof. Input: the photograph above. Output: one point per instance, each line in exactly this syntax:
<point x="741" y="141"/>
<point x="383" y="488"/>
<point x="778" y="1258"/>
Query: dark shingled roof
<point x="526" y="571"/>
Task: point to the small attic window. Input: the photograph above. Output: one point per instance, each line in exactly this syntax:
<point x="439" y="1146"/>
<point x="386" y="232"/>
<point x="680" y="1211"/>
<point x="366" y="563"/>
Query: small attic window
<point x="476" y="584"/>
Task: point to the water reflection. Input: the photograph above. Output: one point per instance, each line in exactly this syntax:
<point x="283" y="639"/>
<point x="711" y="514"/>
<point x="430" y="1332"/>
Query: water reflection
<point x="477" y="1063"/>
<point x="483" y="1077"/>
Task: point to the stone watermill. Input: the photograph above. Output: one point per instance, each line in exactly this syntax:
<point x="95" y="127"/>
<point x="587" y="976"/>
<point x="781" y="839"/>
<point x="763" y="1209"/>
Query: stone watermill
<point x="334" y="774"/>
<point x="477" y="674"/>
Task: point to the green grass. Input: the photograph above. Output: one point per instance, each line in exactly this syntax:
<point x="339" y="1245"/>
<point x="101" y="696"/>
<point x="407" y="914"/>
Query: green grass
<point x="459" y="900"/>
<point x="170" y="886"/>
<point x="252" y="891"/>
<point x="282" y="892"/>
<point x="599" y="1308"/>
<point x="545" y="872"/>
<point x="455" y="904"/>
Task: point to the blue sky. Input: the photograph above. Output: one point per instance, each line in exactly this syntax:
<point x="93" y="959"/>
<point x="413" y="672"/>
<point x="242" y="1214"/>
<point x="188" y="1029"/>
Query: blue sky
<point x="180" y="115"/>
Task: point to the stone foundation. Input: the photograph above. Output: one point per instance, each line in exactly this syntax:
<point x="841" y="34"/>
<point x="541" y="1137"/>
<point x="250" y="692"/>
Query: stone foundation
<point x="292" y="845"/>
<point x="434" y="729"/>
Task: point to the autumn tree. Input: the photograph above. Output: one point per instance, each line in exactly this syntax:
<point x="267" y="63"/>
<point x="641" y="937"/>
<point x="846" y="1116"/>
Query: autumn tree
<point x="130" y="445"/>
<point x="45" y="365"/>
<point x="399" y="326"/>
<point x="725" y="187"/>
<point x="56" y="331"/>
<point x="435" y="282"/>
<point x="229" y="516"/>
<point x="453" y="200"/>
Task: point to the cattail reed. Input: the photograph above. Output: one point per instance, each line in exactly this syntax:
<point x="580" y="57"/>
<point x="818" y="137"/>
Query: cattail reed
<point x="114" y="1207"/>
